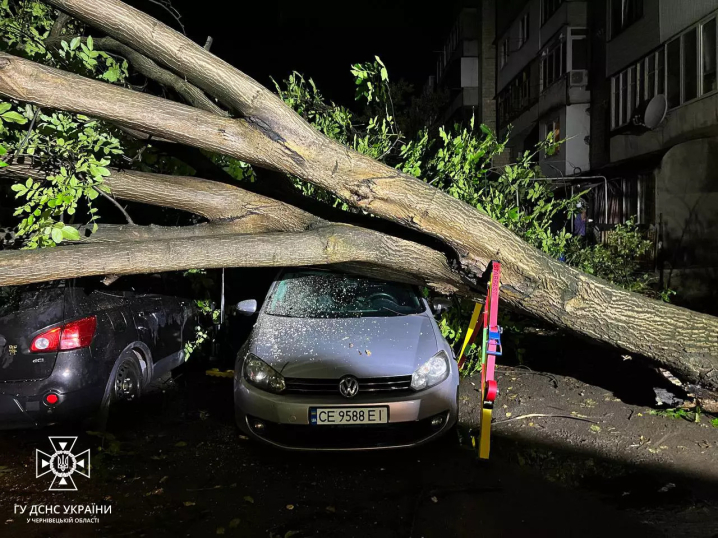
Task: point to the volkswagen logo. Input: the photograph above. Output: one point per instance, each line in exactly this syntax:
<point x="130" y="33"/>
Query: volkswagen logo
<point x="348" y="386"/>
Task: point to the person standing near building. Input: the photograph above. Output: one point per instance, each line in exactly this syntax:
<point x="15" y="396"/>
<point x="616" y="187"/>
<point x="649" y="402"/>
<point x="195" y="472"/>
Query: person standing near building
<point x="579" y="223"/>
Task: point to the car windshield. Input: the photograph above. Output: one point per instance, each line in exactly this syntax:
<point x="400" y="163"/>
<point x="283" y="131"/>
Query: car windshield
<point x="330" y="295"/>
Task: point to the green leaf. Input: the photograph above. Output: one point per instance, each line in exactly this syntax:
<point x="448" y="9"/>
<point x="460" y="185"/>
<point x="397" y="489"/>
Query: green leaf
<point x="56" y="235"/>
<point x="14" y="117"/>
<point x="70" y="233"/>
<point x="89" y="42"/>
<point x="74" y="43"/>
<point x="4" y="107"/>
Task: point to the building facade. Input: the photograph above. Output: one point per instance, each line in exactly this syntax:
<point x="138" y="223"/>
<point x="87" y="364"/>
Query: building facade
<point x="543" y="81"/>
<point x="466" y="65"/>
<point x="632" y="88"/>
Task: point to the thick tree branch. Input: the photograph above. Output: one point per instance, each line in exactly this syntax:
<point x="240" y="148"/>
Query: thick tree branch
<point x="209" y="199"/>
<point x="31" y="82"/>
<point x="333" y="244"/>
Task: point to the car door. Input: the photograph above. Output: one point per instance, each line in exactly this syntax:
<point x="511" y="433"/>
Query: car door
<point x="178" y="301"/>
<point x="152" y="314"/>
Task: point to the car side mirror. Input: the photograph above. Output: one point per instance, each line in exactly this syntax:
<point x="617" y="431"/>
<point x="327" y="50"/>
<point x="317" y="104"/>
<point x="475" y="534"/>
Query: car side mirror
<point x="440" y="304"/>
<point x="247" y="307"/>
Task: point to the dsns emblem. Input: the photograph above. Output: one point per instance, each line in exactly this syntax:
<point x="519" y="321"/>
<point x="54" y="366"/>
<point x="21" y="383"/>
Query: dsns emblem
<point x="348" y="386"/>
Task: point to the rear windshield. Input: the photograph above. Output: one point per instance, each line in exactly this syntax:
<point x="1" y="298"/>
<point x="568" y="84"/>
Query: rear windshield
<point x="16" y="298"/>
<point x="330" y="295"/>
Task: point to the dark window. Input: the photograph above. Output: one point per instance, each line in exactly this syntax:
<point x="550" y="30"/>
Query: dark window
<point x="504" y="53"/>
<point x="553" y="64"/>
<point x="661" y="72"/>
<point x="709" y="56"/>
<point x="579" y="53"/>
<point x="690" y="65"/>
<point x="515" y="98"/>
<point x="625" y="104"/>
<point x="524" y="31"/>
<point x="674" y="73"/>
<point x="650" y="79"/>
<point x="548" y="8"/>
<point x="624" y="13"/>
<point x="616" y="100"/>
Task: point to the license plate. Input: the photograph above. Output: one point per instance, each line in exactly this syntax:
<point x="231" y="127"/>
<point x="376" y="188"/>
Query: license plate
<point x="323" y="416"/>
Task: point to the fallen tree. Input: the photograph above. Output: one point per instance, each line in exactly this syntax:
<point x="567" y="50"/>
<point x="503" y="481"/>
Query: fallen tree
<point x="268" y="134"/>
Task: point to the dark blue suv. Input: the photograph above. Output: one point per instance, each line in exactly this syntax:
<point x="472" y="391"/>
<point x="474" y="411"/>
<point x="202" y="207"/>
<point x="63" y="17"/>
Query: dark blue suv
<point x="70" y="348"/>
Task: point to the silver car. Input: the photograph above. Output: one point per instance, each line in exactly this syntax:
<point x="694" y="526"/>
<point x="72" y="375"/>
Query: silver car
<point x="340" y="362"/>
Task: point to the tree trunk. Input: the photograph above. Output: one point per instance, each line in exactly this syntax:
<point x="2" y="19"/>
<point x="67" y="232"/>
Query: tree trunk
<point x="271" y="135"/>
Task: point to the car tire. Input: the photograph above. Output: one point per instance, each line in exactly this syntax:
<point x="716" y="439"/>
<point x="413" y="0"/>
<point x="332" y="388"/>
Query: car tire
<point x="126" y="381"/>
<point x="125" y="384"/>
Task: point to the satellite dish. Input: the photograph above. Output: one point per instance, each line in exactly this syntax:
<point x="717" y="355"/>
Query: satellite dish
<point x="656" y="111"/>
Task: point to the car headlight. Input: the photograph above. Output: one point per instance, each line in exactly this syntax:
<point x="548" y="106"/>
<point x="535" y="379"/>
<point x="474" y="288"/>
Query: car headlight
<point x="262" y="376"/>
<point x="432" y="372"/>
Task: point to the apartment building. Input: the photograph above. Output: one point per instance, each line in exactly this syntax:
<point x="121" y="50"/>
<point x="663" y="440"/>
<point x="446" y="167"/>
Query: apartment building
<point x="666" y="51"/>
<point x="543" y="80"/>
<point x="632" y="86"/>
<point x="466" y="65"/>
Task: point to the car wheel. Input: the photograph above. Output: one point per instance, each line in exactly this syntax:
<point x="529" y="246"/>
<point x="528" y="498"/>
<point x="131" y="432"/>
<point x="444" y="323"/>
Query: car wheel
<point x="126" y="384"/>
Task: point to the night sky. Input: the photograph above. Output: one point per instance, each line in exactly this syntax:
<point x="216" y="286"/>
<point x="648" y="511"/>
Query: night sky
<point x="267" y="38"/>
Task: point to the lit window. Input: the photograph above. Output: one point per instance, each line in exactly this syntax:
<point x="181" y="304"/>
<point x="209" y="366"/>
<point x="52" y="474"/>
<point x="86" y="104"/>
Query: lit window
<point x="553" y="128"/>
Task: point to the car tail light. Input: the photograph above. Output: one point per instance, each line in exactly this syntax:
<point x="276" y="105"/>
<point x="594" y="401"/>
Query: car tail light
<point x="47" y="341"/>
<point x="73" y="335"/>
<point x="77" y="334"/>
<point x="51" y="398"/>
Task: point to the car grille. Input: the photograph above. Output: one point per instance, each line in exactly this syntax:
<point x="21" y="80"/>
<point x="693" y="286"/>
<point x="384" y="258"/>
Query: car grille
<point x="395" y="384"/>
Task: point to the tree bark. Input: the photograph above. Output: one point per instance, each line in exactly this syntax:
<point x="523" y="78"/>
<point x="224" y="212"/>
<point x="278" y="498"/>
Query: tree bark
<point x="271" y="135"/>
<point x="336" y="244"/>
<point x="212" y="200"/>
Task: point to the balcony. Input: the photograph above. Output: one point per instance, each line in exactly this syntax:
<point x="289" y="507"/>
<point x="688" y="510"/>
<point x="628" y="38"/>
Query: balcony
<point x="696" y="119"/>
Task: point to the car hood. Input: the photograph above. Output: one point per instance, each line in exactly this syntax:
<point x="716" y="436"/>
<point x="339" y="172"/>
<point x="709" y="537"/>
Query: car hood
<point x="331" y="348"/>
